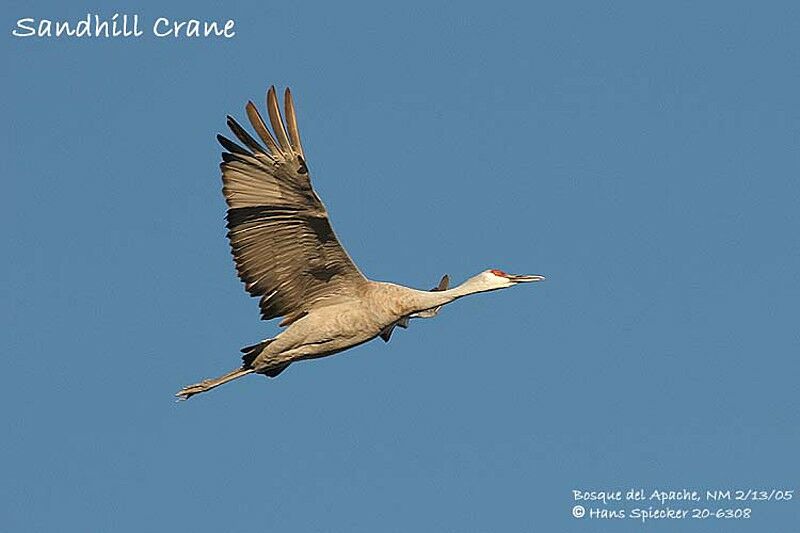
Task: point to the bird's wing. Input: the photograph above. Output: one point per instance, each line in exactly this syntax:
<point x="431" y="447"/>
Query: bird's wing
<point x="282" y="241"/>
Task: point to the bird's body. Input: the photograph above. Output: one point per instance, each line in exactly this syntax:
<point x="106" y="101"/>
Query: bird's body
<point x="286" y="253"/>
<point x="342" y="325"/>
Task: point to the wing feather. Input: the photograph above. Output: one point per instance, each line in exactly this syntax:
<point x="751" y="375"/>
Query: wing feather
<point x="245" y="137"/>
<point x="276" y="120"/>
<point x="284" y="247"/>
<point x="291" y="122"/>
<point x="261" y="128"/>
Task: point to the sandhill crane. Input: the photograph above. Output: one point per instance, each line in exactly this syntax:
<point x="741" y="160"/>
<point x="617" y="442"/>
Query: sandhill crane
<point x="287" y="254"/>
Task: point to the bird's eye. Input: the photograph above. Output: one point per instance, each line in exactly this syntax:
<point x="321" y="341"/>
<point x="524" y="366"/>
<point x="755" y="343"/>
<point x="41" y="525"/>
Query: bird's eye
<point x="499" y="273"/>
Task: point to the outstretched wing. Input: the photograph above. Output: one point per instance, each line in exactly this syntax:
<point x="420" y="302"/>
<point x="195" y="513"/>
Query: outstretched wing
<point x="281" y="238"/>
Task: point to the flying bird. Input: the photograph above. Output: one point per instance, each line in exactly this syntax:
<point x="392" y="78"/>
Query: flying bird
<point x="287" y="254"/>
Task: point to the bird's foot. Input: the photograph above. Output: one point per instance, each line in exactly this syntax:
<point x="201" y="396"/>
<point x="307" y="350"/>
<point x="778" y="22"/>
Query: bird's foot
<point x="187" y="392"/>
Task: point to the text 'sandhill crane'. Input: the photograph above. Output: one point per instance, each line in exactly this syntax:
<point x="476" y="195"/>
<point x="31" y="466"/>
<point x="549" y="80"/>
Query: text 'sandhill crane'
<point x="287" y="254"/>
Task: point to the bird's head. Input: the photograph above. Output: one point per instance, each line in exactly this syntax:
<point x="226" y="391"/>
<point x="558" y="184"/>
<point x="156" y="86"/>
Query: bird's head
<point x="493" y="279"/>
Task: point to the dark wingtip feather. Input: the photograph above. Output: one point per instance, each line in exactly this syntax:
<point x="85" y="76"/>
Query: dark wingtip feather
<point x="231" y="146"/>
<point x="244" y="137"/>
<point x="228" y="158"/>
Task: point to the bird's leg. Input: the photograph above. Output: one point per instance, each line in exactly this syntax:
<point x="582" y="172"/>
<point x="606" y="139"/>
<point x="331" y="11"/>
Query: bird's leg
<point x="208" y="384"/>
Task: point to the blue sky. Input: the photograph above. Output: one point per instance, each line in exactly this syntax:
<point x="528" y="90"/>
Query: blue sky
<point x="643" y="157"/>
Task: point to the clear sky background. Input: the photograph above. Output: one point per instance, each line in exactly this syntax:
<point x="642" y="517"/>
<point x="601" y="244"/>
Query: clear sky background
<point x="643" y="157"/>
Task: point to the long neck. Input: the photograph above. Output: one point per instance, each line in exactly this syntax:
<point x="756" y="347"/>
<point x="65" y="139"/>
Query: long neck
<point x="428" y="300"/>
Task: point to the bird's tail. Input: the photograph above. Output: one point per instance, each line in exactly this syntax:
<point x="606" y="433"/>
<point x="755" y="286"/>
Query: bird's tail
<point x="249" y="353"/>
<point x="208" y="384"/>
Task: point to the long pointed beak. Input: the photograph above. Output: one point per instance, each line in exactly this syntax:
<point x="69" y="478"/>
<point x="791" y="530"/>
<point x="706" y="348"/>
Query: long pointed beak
<point x="525" y="279"/>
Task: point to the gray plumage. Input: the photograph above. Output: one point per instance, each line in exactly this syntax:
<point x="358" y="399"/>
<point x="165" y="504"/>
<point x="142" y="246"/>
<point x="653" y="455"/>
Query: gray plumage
<point x="287" y="254"/>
